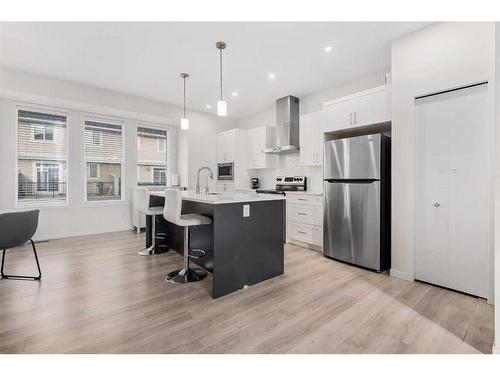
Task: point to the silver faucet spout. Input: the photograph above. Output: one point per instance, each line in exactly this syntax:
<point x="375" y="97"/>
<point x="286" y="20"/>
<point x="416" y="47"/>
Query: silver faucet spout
<point x="211" y="175"/>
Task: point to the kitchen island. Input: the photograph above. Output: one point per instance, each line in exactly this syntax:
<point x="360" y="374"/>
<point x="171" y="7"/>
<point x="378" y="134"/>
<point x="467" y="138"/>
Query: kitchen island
<point x="243" y="245"/>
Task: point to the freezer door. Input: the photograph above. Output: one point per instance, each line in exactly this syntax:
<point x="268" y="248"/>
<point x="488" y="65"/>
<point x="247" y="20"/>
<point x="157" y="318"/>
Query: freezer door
<point x="353" y="158"/>
<point x="351" y="229"/>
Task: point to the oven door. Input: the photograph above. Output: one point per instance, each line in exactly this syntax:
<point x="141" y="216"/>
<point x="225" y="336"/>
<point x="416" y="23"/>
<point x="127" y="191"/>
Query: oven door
<point x="225" y="171"/>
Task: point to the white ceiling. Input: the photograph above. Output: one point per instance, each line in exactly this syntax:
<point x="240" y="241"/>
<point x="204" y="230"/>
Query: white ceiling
<point x="145" y="59"/>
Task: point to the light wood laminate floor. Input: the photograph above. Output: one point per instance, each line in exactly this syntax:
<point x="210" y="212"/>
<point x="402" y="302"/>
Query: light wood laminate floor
<point x="98" y="296"/>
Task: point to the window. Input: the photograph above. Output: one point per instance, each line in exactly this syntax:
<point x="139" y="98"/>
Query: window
<point x="161" y="144"/>
<point x="41" y="166"/>
<point x="96" y="137"/>
<point x="93" y="171"/>
<point x="159" y="176"/>
<point x="43" y="133"/>
<point x="103" y="142"/>
<point x="152" y="168"/>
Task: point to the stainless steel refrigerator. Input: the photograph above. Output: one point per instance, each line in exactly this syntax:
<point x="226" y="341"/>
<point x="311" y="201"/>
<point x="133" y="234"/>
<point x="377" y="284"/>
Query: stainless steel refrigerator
<point x="357" y="201"/>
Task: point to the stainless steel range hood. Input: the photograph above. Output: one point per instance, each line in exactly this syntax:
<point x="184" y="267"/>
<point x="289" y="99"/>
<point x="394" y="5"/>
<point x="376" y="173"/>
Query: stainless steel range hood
<point x="287" y="126"/>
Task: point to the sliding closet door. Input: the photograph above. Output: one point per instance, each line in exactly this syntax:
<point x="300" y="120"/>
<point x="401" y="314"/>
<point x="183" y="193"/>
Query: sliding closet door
<point x="453" y="213"/>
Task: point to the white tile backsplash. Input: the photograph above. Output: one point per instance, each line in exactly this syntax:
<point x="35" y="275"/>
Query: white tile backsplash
<point x="289" y="165"/>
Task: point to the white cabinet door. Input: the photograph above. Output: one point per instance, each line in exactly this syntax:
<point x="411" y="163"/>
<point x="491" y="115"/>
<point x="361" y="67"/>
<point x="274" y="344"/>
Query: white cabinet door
<point x="338" y="114"/>
<point x="307" y="128"/>
<point x="453" y="222"/>
<point x="258" y="139"/>
<point x="371" y="107"/>
<point x="226" y="146"/>
<point x="225" y="187"/>
<point x="318" y="141"/>
<point x="311" y="140"/>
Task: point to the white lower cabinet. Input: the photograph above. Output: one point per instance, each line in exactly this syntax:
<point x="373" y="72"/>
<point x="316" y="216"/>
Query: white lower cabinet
<point x="305" y="219"/>
<point x="311" y="234"/>
<point x="224" y="187"/>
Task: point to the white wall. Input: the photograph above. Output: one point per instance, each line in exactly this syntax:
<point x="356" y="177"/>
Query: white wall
<point x="84" y="218"/>
<point x="496" y="348"/>
<point x="439" y="57"/>
<point x="289" y="164"/>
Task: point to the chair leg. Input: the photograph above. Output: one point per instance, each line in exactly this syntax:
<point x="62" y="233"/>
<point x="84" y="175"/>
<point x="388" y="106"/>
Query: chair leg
<point x="186" y="274"/>
<point x="5" y="276"/>
<point x="153" y="249"/>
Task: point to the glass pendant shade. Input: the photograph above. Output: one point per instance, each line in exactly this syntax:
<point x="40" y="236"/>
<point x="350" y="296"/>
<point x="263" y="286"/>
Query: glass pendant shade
<point x="184" y="124"/>
<point x="221" y="108"/>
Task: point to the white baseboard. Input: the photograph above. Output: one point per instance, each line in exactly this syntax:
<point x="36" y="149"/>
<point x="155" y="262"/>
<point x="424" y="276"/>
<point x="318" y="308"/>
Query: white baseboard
<point x="401" y="275"/>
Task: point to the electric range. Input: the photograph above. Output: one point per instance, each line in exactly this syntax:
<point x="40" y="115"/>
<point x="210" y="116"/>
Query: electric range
<point x="287" y="183"/>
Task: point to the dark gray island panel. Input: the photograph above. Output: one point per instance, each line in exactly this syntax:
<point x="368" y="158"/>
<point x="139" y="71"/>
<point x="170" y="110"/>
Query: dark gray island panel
<point x="248" y="250"/>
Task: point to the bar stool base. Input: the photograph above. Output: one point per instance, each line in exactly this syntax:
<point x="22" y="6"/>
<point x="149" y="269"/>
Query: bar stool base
<point x="154" y="250"/>
<point x="184" y="276"/>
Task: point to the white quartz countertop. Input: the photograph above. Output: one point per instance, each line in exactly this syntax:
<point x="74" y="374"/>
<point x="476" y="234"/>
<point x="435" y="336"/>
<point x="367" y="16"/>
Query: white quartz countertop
<point x="304" y="192"/>
<point x="224" y="198"/>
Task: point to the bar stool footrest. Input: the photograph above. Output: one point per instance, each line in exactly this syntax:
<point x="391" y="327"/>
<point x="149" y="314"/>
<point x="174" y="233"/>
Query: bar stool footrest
<point x="196" y="256"/>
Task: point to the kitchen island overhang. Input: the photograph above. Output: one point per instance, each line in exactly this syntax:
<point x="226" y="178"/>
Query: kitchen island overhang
<point x="244" y="243"/>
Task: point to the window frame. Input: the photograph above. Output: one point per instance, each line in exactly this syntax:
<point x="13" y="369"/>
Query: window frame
<point x="57" y="111"/>
<point x="111" y="120"/>
<point x="167" y="151"/>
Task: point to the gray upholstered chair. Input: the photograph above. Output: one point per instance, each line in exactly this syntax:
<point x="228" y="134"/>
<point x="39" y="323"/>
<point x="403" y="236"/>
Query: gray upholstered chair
<point x="15" y="229"/>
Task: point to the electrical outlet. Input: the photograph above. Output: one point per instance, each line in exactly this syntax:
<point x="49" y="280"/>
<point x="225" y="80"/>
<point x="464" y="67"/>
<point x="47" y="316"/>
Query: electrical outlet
<point x="246" y="210"/>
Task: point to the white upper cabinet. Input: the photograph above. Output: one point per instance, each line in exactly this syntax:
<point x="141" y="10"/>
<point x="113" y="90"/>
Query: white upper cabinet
<point x="259" y="139"/>
<point x="363" y="108"/>
<point x="372" y="106"/>
<point x="311" y="140"/>
<point x="338" y="114"/>
<point x="229" y="145"/>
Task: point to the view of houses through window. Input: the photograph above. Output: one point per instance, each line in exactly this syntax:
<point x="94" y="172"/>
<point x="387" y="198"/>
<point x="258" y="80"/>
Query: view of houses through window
<point x="104" y="158"/>
<point x="42" y="157"/>
<point x="42" y="143"/>
<point x="151" y="156"/>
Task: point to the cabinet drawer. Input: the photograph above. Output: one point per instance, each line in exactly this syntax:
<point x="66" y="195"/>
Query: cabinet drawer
<point x="305" y="199"/>
<point x="311" y="234"/>
<point x="305" y="214"/>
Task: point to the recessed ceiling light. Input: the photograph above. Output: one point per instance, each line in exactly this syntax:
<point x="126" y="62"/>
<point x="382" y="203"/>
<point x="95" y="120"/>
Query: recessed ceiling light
<point x="208" y="106"/>
<point x="272" y="76"/>
<point x="234" y="93"/>
<point x="328" y="49"/>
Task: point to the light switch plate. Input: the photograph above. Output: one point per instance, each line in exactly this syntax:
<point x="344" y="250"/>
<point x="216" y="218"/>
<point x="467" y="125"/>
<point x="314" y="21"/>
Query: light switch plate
<point x="246" y="210"/>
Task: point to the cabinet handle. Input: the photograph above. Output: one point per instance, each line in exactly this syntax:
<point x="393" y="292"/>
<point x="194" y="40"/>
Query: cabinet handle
<point x="355" y="118"/>
<point x="302" y="213"/>
<point x="350" y="118"/>
<point x="302" y="199"/>
<point x="301" y="232"/>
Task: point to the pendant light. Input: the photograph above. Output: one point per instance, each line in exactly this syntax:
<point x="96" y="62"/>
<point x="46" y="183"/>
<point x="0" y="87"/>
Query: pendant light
<point x="221" y="104"/>
<point x="184" y="119"/>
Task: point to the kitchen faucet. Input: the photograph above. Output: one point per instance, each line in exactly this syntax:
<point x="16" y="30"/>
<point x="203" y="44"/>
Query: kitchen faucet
<point x="211" y="175"/>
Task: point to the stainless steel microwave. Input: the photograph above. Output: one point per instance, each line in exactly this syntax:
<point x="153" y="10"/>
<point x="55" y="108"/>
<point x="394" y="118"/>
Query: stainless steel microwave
<point x="225" y="171"/>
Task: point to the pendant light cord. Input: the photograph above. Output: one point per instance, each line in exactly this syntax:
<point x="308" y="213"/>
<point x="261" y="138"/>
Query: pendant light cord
<point x="184" y="97"/>
<point x="220" y="53"/>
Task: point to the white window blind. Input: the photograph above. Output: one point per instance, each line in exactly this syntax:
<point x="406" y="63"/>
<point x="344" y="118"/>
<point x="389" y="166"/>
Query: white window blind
<point x="42" y="157"/>
<point x="103" y="143"/>
<point x="152" y="168"/>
